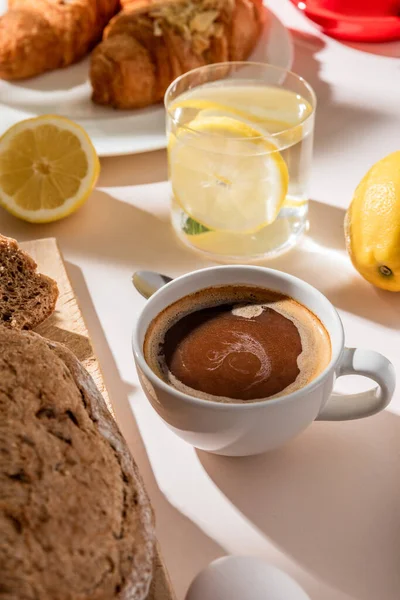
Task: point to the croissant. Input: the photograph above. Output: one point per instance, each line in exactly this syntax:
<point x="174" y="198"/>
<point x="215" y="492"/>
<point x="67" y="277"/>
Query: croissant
<point x="40" y="35"/>
<point x="151" y="42"/>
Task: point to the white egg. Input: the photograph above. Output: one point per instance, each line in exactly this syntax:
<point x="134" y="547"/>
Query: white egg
<point x="244" y="578"/>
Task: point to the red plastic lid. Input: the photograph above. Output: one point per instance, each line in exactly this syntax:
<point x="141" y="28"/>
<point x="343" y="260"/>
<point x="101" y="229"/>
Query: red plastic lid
<point x="355" y="20"/>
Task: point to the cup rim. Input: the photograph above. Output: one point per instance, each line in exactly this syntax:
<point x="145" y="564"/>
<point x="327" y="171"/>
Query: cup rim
<point x="200" y="402"/>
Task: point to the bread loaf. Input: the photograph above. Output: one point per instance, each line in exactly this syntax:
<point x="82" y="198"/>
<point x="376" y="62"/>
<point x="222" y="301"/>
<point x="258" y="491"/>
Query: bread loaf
<point x="75" y="520"/>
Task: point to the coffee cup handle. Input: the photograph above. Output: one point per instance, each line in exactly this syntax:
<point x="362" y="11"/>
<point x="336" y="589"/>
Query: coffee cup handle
<point x="368" y="363"/>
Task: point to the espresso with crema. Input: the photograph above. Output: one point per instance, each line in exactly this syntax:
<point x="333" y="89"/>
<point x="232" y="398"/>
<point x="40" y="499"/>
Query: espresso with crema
<point x="237" y="344"/>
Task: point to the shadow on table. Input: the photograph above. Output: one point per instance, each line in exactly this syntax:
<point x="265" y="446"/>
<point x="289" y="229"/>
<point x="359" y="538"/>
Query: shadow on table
<point x="335" y="121"/>
<point x="326" y="225"/>
<point x="389" y="49"/>
<point x="330" y="500"/>
<point x="149" y="167"/>
<point x="321" y="260"/>
<point x="117" y="232"/>
<point x="137" y="231"/>
<point x="185" y="548"/>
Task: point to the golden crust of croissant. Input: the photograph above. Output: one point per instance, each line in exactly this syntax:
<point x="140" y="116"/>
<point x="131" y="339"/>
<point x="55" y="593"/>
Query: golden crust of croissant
<point x="20" y="60"/>
<point x="110" y="65"/>
<point x="40" y="35"/>
<point x="170" y="38"/>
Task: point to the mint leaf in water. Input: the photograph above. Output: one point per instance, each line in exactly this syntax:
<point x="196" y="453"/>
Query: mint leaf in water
<point x="192" y="227"/>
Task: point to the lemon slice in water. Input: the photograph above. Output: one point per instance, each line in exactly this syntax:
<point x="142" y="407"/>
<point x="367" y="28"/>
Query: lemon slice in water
<point x="48" y="167"/>
<point x="226" y="175"/>
<point x="265" y="120"/>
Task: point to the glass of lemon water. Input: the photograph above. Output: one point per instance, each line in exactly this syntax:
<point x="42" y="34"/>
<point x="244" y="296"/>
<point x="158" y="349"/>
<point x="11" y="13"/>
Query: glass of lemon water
<point x="240" y="139"/>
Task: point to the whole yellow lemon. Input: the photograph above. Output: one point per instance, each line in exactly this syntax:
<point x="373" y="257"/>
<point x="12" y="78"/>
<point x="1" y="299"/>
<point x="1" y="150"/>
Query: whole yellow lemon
<point x="372" y="225"/>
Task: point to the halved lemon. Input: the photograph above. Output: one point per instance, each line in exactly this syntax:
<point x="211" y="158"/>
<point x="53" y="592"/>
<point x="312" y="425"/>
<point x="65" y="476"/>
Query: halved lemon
<point x="48" y="168"/>
<point x="226" y="175"/>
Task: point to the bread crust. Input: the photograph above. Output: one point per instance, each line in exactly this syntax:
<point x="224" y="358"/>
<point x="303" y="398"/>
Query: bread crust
<point x="75" y="520"/>
<point x="138" y="582"/>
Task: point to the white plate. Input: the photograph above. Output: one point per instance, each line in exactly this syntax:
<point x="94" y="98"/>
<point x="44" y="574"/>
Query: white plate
<point x="67" y="92"/>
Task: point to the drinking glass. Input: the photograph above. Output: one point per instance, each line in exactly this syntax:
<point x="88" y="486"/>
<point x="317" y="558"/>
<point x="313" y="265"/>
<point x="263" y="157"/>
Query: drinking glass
<point x="240" y="139"/>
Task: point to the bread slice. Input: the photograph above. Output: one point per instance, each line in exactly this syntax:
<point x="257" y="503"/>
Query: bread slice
<point x="75" y="520"/>
<point x="26" y="297"/>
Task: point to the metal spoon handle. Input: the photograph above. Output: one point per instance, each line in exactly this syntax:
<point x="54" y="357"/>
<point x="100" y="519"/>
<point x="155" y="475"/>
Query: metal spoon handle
<point x="148" y="282"/>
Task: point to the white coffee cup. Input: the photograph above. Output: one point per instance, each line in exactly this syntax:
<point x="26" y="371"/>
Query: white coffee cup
<point x="255" y="427"/>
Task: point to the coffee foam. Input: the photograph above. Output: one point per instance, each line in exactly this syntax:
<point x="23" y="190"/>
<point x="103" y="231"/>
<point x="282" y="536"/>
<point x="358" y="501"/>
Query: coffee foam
<point x="248" y="302"/>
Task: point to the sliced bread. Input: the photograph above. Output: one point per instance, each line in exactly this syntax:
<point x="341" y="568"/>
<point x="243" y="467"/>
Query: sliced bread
<point x="75" y="520"/>
<point x="26" y="297"/>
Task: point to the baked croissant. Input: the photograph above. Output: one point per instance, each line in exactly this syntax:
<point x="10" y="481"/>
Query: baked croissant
<point x="40" y="35"/>
<point x="151" y="42"/>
